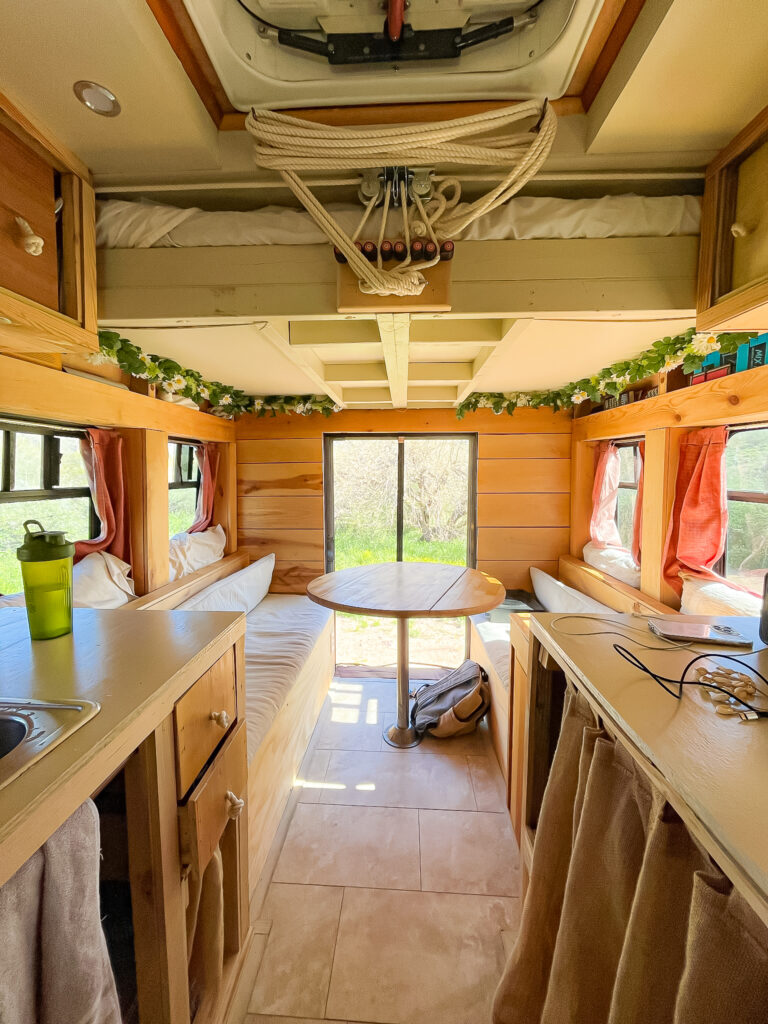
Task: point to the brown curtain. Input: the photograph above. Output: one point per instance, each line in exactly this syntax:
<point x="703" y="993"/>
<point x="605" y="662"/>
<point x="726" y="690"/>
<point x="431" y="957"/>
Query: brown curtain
<point x="102" y="452"/>
<point x="626" y="918"/>
<point x="208" y="456"/>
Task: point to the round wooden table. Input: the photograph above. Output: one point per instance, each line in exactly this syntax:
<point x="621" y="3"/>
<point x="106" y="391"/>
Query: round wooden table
<point x="407" y="590"/>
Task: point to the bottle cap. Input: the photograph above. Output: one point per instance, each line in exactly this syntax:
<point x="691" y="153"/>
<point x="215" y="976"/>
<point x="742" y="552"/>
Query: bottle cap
<point x="43" y="545"/>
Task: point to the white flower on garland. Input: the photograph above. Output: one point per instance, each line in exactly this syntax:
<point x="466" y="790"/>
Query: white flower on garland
<point x="578" y="397"/>
<point x="225" y="399"/>
<point x="704" y="344"/>
<point x="486" y="402"/>
<point x="621" y="379"/>
<point x="672" y="362"/>
<point x="258" y="404"/>
<point x="523" y="401"/>
<point x="176" y="383"/>
<point x="203" y="392"/>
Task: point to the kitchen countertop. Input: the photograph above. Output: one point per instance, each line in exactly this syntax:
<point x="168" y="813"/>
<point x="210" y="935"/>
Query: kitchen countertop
<point x="135" y="664"/>
<point x="712" y="768"/>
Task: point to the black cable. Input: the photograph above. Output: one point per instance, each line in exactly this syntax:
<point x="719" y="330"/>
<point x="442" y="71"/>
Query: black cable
<point x="666" y="682"/>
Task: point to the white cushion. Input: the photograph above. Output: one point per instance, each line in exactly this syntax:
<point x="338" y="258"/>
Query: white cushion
<point x="99" y="580"/>
<point x="191" y="551"/>
<point x="556" y="597"/>
<point x="617" y="562"/>
<point x="713" y="597"/>
<point x="239" y="592"/>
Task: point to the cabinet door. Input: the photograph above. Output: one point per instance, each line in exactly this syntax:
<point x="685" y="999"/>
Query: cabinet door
<point x="27" y="192"/>
<point x="750" y="226"/>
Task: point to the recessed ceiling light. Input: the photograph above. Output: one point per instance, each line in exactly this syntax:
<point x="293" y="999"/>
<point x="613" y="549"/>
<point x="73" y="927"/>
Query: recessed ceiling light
<point x="97" y="98"/>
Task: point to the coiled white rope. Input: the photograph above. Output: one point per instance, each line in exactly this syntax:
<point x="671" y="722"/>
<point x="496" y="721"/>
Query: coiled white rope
<point x="290" y="145"/>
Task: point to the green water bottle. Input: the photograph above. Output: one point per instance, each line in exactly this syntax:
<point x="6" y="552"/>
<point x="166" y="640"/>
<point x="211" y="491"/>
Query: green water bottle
<point x="46" y="569"/>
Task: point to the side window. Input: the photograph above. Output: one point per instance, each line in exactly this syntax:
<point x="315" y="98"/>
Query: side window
<point x="183" y="486"/>
<point x="746" y="552"/>
<point x="42" y="476"/>
<point x="629" y="461"/>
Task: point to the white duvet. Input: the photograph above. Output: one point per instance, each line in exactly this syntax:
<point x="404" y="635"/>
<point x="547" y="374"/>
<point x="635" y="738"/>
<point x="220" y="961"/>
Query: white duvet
<point x="142" y="224"/>
<point x="280" y="634"/>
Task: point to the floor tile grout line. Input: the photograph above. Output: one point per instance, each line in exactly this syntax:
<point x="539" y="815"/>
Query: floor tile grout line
<point x="333" y="957"/>
<point x="471" y="781"/>
<point x="386" y="888"/>
<point x="418" y="831"/>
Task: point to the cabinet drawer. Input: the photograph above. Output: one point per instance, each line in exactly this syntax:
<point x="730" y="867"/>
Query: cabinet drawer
<point x="202" y="717"/>
<point x="205" y="815"/>
<point x="27" y="191"/>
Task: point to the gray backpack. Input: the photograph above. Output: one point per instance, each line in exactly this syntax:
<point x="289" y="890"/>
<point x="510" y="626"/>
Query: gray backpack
<point x="454" y="705"/>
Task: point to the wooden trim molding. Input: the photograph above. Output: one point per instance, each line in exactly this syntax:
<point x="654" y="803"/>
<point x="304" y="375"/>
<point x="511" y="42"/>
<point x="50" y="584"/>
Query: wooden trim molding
<point x="173" y="594"/>
<point x="606" y="589"/>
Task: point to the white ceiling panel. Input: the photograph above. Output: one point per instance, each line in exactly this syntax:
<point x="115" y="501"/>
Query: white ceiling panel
<point x="240" y="355"/>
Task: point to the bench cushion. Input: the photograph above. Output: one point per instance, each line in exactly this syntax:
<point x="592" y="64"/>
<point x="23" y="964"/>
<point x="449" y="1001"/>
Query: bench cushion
<point x="280" y="634"/>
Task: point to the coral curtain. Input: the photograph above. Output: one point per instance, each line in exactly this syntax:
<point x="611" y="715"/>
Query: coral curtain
<point x="603" y="531"/>
<point x="626" y="919"/>
<point x="637" y="522"/>
<point x="208" y="456"/>
<point x="699" y="520"/>
<point x="102" y="452"/>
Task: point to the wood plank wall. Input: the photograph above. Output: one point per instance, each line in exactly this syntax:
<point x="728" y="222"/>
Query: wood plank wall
<point x="523" y="500"/>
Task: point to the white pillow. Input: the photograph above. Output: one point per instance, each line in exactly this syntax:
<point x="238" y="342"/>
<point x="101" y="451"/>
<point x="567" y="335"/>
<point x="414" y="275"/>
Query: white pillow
<point x="99" y="580"/>
<point x="191" y="551"/>
<point x="617" y="562"/>
<point x="556" y="597"/>
<point x="713" y="597"/>
<point x="240" y="592"/>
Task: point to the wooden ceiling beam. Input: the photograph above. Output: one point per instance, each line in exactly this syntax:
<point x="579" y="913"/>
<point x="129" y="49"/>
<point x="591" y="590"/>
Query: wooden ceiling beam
<point x="394" y="329"/>
<point x="307" y="361"/>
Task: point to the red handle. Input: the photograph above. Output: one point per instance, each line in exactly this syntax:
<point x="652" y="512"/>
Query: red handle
<point x="395" y="9"/>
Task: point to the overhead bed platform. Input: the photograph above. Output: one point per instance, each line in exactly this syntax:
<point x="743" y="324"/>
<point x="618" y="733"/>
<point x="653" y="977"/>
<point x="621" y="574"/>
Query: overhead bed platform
<point x="599" y="277"/>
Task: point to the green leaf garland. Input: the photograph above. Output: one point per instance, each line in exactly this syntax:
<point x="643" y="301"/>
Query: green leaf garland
<point x="688" y="350"/>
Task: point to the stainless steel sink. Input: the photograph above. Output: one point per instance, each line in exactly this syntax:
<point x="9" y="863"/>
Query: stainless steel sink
<point x="30" y="728"/>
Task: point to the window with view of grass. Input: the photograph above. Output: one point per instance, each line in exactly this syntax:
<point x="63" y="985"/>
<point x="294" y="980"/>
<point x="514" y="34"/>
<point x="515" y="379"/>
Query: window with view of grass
<point x="745" y="561"/>
<point x="183" y="486"/>
<point x="629" y="477"/>
<point x="42" y="477"/>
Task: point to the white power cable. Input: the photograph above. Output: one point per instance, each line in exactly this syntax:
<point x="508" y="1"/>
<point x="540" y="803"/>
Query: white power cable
<point x="291" y="145"/>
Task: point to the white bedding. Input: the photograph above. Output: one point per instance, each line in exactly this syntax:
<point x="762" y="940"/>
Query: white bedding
<point x="280" y="634"/>
<point x="141" y="225"/>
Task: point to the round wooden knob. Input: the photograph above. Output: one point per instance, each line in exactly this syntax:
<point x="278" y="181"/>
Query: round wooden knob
<point x="221" y="718"/>
<point x="739" y="230"/>
<point x="234" y="805"/>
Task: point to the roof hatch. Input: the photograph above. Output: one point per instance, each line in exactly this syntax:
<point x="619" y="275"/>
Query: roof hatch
<point x="288" y="53"/>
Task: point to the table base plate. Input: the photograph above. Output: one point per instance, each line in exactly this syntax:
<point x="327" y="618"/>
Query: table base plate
<point x="397" y="737"/>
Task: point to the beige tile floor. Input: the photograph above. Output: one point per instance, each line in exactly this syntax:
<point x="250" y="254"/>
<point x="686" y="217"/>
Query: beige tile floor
<point x="396" y="895"/>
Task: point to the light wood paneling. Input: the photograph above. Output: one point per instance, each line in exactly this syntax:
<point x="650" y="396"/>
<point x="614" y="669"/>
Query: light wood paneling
<point x="147" y="468"/>
<point x="662" y="449"/>
<point x="292" y="478"/>
<point x="290" y="513"/>
<point x="582" y="482"/>
<point x="293" y="577"/>
<point x="524" y="446"/>
<point x="523" y="509"/>
<point x="308" y="449"/>
<point x="483" y="421"/>
<point x="288" y="545"/>
<point x="515" y="575"/>
<point x="523" y="485"/>
<point x="225" y="498"/>
<point x="517" y="476"/>
<point x="521" y="544"/>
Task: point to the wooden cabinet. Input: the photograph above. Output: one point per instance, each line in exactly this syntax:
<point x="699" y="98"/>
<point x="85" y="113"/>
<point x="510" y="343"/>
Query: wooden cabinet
<point x="186" y="792"/>
<point x="733" y="259"/>
<point x="47" y="243"/>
